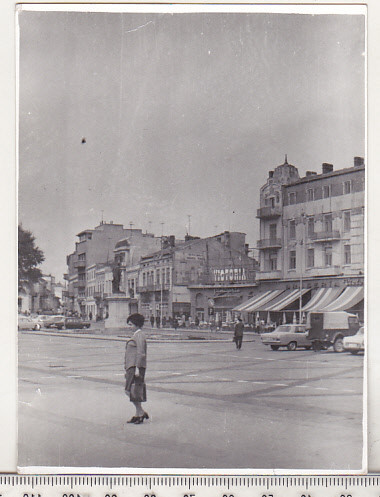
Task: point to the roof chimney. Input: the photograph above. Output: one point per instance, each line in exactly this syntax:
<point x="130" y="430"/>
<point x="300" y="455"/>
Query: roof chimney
<point x="172" y="240"/>
<point x="358" y="161"/>
<point x="271" y="174"/>
<point x="327" y="168"/>
<point x="310" y="173"/>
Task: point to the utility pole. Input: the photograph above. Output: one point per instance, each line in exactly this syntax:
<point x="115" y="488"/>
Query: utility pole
<point x="189" y="217"/>
<point x="302" y="244"/>
<point x="161" y="274"/>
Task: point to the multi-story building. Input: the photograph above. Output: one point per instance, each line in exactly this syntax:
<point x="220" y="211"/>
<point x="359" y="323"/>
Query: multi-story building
<point x="91" y="265"/>
<point x="311" y="238"/>
<point x="189" y="278"/>
<point x="41" y="296"/>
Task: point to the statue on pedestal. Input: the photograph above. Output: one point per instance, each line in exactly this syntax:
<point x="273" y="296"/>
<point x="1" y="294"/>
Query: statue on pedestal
<point x="116" y="279"/>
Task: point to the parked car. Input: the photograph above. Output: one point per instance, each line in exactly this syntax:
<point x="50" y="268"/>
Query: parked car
<point x="27" y="323"/>
<point x="328" y="329"/>
<point x="287" y="335"/>
<point x="76" y="323"/>
<point x="57" y="322"/>
<point x="47" y="321"/>
<point x="355" y="343"/>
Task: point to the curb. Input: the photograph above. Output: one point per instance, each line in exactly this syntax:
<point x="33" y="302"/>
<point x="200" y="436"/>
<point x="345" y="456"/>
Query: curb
<point x="89" y="336"/>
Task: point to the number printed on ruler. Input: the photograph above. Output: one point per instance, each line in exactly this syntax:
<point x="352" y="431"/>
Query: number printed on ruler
<point x="188" y="486"/>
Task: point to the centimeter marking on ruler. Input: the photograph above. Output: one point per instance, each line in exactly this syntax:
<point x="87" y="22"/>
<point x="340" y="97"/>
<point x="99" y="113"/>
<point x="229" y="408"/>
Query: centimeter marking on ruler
<point x="148" y="481"/>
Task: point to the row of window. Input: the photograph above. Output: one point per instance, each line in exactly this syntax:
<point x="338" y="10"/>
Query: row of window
<point x="101" y="288"/>
<point x="310" y="258"/>
<point x="326" y="192"/>
<point x="327" y="256"/>
<point x="91" y="275"/>
<point x="156" y="277"/>
<point x="310" y="194"/>
<point x="270" y="201"/>
<point x="327" y="224"/>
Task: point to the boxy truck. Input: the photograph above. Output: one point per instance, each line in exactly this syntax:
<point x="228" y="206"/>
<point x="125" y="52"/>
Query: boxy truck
<point x="328" y="329"/>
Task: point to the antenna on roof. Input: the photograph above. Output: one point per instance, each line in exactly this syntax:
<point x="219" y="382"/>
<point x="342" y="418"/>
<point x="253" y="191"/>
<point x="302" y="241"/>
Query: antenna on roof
<point x="286" y="159"/>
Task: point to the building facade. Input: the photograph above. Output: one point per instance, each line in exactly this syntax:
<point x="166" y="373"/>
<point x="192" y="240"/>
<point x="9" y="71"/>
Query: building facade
<point x="188" y="279"/>
<point x="311" y="241"/>
<point x="99" y="252"/>
<point x="43" y="296"/>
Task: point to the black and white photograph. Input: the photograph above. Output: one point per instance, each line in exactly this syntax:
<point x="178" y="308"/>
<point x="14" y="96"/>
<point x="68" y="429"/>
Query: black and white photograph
<point x="192" y="237"/>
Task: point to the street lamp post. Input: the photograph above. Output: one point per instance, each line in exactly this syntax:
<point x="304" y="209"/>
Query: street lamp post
<point x="302" y="244"/>
<point x="161" y="274"/>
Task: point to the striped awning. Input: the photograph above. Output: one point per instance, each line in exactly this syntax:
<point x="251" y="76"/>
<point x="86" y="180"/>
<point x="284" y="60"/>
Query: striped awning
<point x="258" y="302"/>
<point x="287" y="298"/>
<point x="347" y="299"/>
<point x="322" y="298"/>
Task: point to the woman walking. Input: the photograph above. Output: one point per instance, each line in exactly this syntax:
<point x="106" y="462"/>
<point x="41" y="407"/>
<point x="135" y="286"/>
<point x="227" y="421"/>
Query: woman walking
<point x="135" y="364"/>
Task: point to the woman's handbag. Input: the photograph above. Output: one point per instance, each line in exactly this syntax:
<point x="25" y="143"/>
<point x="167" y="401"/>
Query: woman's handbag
<point x="138" y="390"/>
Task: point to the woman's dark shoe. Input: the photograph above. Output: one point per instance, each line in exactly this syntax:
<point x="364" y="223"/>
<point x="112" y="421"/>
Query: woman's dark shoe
<point x="139" y="420"/>
<point x="145" y="415"/>
<point x="133" y="420"/>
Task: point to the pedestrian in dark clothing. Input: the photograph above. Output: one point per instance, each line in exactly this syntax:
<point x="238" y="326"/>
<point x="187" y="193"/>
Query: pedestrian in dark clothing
<point x="158" y="320"/>
<point x="90" y="316"/>
<point x="238" y="334"/>
<point x="196" y="321"/>
<point x="135" y="363"/>
<point x="164" y="322"/>
<point x="152" y="321"/>
<point x="175" y="323"/>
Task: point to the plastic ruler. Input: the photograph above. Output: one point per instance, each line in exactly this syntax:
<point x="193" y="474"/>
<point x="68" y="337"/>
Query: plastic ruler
<point x="188" y="486"/>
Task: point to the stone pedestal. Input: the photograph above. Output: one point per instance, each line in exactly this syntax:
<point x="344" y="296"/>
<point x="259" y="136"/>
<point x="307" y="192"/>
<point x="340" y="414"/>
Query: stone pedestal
<point x="118" y="311"/>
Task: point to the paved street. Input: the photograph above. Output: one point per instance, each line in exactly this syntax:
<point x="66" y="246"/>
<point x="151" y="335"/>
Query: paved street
<point x="211" y="406"/>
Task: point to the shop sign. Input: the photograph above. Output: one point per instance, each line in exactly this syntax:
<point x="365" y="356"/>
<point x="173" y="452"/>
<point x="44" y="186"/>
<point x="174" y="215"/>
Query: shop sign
<point x="230" y="274"/>
<point x="353" y="281"/>
<point x="194" y="257"/>
<point x="339" y="282"/>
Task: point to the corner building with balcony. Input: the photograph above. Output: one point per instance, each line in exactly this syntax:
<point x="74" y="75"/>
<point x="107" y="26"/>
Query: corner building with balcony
<point x="311" y="242"/>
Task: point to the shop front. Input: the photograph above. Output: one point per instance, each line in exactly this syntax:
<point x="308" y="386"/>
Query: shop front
<point x="288" y="302"/>
<point x="211" y="303"/>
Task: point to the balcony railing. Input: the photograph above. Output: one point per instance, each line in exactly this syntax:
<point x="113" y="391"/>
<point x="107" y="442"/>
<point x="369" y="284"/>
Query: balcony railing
<point x="153" y="287"/>
<point x="323" y="271"/>
<point x="80" y="284"/>
<point x="80" y="264"/>
<point x="269" y="243"/>
<point x="268" y="275"/>
<point x="268" y="212"/>
<point x="325" y="236"/>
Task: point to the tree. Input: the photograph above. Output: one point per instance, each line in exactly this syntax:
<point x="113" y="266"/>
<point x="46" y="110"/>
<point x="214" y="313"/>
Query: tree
<point x="29" y="257"/>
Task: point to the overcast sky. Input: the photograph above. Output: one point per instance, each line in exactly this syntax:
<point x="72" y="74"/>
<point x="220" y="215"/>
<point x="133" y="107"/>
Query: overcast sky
<point x="181" y="114"/>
